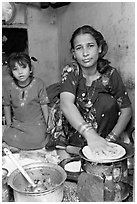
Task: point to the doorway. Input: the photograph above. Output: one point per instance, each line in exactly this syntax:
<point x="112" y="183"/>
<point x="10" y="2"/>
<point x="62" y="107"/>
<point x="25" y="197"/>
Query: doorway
<point x="14" y="40"/>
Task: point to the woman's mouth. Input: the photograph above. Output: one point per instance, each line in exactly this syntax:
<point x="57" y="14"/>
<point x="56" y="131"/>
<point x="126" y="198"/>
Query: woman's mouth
<point x="86" y="60"/>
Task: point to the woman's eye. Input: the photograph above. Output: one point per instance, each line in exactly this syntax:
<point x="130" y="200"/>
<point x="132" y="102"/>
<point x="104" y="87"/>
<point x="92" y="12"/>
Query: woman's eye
<point x="78" y="48"/>
<point x="90" y="45"/>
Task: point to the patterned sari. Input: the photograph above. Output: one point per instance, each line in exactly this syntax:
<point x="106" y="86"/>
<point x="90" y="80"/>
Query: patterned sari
<point x="99" y="104"/>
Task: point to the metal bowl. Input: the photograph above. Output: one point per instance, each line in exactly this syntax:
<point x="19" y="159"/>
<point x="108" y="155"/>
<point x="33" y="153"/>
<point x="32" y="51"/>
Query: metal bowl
<point x="38" y="171"/>
<point x="73" y="174"/>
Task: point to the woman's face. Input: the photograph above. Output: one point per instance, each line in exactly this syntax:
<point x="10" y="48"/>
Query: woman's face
<point x="86" y="50"/>
<point x="21" y="72"/>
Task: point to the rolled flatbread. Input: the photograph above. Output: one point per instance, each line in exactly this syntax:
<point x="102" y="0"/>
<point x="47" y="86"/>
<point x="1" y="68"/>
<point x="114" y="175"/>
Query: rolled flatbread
<point x="118" y="152"/>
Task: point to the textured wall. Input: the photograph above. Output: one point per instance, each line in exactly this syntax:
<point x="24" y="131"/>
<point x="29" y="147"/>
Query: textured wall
<point x="43" y="42"/>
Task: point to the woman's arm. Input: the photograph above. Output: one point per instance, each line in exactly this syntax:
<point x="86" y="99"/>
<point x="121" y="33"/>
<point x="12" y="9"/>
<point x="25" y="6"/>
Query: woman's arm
<point x="71" y="112"/>
<point x="120" y="93"/>
<point x="45" y="112"/>
<point x="7" y="111"/>
<point x="124" y="118"/>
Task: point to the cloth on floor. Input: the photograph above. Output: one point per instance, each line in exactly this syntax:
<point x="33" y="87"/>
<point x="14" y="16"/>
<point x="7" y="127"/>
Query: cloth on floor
<point x="41" y="155"/>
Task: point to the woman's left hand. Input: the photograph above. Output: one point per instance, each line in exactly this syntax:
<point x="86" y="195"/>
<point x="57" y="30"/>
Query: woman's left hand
<point x="111" y="137"/>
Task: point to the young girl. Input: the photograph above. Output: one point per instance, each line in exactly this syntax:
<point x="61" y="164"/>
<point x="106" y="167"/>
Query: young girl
<point x="93" y="97"/>
<point x="25" y="105"/>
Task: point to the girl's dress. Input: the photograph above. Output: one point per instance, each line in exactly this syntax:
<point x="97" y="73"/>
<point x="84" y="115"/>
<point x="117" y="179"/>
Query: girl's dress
<point x="28" y="128"/>
<point x="99" y="104"/>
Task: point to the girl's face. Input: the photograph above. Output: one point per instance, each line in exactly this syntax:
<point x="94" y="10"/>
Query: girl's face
<point x="21" y="72"/>
<point x="86" y="50"/>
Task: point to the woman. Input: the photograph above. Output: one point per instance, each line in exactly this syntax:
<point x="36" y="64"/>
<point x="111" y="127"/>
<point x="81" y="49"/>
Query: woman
<point x="93" y="98"/>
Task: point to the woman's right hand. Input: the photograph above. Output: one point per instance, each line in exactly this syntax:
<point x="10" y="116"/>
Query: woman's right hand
<point x="97" y="143"/>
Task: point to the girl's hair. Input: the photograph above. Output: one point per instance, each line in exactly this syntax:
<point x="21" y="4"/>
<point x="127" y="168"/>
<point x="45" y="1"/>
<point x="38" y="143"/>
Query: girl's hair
<point x="21" y="58"/>
<point x="86" y="29"/>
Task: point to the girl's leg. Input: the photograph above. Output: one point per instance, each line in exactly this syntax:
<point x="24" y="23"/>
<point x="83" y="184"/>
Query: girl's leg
<point x="12" y="149"/>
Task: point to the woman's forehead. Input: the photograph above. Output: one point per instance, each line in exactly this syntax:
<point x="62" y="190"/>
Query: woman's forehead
<point x="84" y="38"/>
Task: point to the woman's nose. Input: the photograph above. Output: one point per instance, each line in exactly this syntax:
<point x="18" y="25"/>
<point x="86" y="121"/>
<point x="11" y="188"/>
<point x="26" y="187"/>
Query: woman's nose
<point x="85" y="52"/>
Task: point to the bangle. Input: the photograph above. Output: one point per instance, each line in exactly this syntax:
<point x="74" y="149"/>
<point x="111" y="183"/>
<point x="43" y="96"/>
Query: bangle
<point x="111" y="137"/>
<point x="81" y="126"/>
<point x="84" y="127"/>
<point x="87" y="128"/>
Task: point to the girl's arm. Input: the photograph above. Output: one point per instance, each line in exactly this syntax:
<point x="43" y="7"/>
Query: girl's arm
<point x="74" y="117"/>
<point x="7" y="112"/>
<point x="45" y="112"/>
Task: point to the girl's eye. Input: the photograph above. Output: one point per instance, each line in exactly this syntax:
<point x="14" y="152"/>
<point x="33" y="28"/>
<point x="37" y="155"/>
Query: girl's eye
<point x="14" y="68"/>
<point x="24" y="66"/>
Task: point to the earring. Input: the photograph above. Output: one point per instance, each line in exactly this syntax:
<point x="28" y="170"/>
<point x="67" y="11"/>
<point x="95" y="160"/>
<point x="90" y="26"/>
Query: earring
<point x="30" y="71"/>
<point x="73" y="57"/>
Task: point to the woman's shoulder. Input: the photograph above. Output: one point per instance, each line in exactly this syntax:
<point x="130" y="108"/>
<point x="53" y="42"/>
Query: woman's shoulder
<point x="72" y="67"/>
<point x="110" y="70"/>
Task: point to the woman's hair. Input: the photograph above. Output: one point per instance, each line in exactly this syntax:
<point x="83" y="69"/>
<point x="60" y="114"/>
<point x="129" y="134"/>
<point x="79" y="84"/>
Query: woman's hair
<point x="21" y="58"/>
<point x="86" y="29"/>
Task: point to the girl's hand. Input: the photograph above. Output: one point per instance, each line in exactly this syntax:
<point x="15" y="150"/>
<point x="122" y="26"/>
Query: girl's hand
<point x="5" y="127"/>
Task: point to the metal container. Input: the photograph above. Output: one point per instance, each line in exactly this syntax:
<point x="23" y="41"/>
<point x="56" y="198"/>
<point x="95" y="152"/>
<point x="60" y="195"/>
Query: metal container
<point x="73" y="174"/>
<point x="5" y="188"/>
<point x="39" y="171"/>
<point x="105" y="181"/>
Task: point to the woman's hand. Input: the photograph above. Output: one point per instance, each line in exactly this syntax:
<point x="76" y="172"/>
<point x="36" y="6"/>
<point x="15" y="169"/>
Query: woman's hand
<point x="97" y="143"/>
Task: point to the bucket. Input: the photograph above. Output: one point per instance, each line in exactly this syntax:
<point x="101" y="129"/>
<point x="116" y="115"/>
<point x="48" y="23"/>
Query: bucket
<point x="42" y="172"/>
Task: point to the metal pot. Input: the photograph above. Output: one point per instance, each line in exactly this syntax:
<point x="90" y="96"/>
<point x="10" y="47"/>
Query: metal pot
<point x="110" y="179"/>
<point x="5" y="188"/>
<point x="38" y="171"/>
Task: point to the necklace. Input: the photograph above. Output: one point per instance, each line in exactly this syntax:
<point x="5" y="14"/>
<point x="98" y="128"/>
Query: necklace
<point x="89" y="103"/>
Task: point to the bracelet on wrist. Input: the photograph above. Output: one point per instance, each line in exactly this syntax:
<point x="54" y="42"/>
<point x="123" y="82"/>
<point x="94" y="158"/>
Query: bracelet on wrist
<point x="84" y="127"/>
<point x="87" y="128"/>
<point x="80" y="127"/>
<point x="111" y="136"/>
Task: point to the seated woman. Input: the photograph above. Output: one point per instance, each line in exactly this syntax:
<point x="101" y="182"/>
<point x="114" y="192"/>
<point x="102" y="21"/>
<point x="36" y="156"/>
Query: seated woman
<point x="93" y="99"/>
